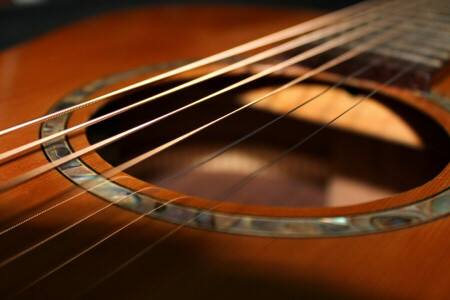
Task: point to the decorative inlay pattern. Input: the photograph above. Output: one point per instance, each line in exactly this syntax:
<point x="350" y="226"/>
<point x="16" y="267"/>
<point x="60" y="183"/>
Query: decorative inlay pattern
<point x="438" y="99"/>
<point x="78" y="172"/>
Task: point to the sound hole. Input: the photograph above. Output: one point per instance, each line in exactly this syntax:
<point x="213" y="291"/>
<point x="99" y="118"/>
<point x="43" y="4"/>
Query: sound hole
<point x="384" y="148"/>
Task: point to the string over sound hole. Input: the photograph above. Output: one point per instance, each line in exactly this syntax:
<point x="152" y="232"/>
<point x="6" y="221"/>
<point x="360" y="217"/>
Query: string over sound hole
<point x="339" y="167"/>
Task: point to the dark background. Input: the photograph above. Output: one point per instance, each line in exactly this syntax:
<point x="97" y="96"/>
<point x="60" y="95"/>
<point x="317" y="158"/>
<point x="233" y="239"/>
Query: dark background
<point x="19" y="23"/>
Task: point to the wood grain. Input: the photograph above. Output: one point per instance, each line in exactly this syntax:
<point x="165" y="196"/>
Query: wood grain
<point x="404" y="264"/>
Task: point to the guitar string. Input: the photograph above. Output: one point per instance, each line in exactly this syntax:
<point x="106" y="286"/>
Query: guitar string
<point x="151" y="246"/>
<point x="170" y="233"/>
<point x="34" y="144"/>
<point x="17" y="225"/>
<point x="352" y="107"/>
<point x="49" y="238"/>
<point x="23" y="252"/>
<point x="303" y="40"/>
<point x="343" y="57"/>
<point x="32" y="217"/>
<point x="177" y="176"/>
<point x="430" y="41"/>
<point x="100" y="241"/>
<point x="337" y="84"/>
<point x="57" y="268"/>
<point x="234" y="188"/>
<point x="22" y="222"/>
<point x="433" y="19"/>
<point x="271" y="52"/>
<point x="355" y="34"/>
<point x="217" y="57"/>
<point x="225" y="193"/>
<point x="6" y="230"/>
<point x="354" y="10"/>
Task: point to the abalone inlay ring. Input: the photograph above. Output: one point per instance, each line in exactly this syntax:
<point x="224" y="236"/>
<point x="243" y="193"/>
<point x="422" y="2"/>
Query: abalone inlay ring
<point x="81" y="174"/>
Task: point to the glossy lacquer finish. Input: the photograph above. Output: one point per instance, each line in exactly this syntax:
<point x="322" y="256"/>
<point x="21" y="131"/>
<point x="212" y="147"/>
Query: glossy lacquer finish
<point x="391" y="248"/>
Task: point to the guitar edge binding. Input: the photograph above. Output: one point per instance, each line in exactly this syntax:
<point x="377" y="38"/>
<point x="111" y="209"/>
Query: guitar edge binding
<point x="81" y="174"/>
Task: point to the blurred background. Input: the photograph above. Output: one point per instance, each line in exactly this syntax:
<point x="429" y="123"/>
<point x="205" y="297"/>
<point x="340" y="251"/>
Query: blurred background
<point x="21" y="20"/>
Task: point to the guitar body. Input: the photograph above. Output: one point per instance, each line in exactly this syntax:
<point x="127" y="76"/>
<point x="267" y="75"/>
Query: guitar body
<point x="406" y="262"/>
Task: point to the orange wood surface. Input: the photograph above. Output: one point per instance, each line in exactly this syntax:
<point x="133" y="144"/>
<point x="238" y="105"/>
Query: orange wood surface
<point x="403" y="264"/>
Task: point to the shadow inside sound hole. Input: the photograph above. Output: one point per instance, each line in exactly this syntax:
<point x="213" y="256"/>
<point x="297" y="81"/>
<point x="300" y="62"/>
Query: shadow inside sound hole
<point x="336" y="167"/>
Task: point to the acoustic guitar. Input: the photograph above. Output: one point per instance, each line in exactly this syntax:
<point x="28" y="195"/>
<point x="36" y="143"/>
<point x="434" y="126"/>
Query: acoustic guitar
<point x="229" y="152"/>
